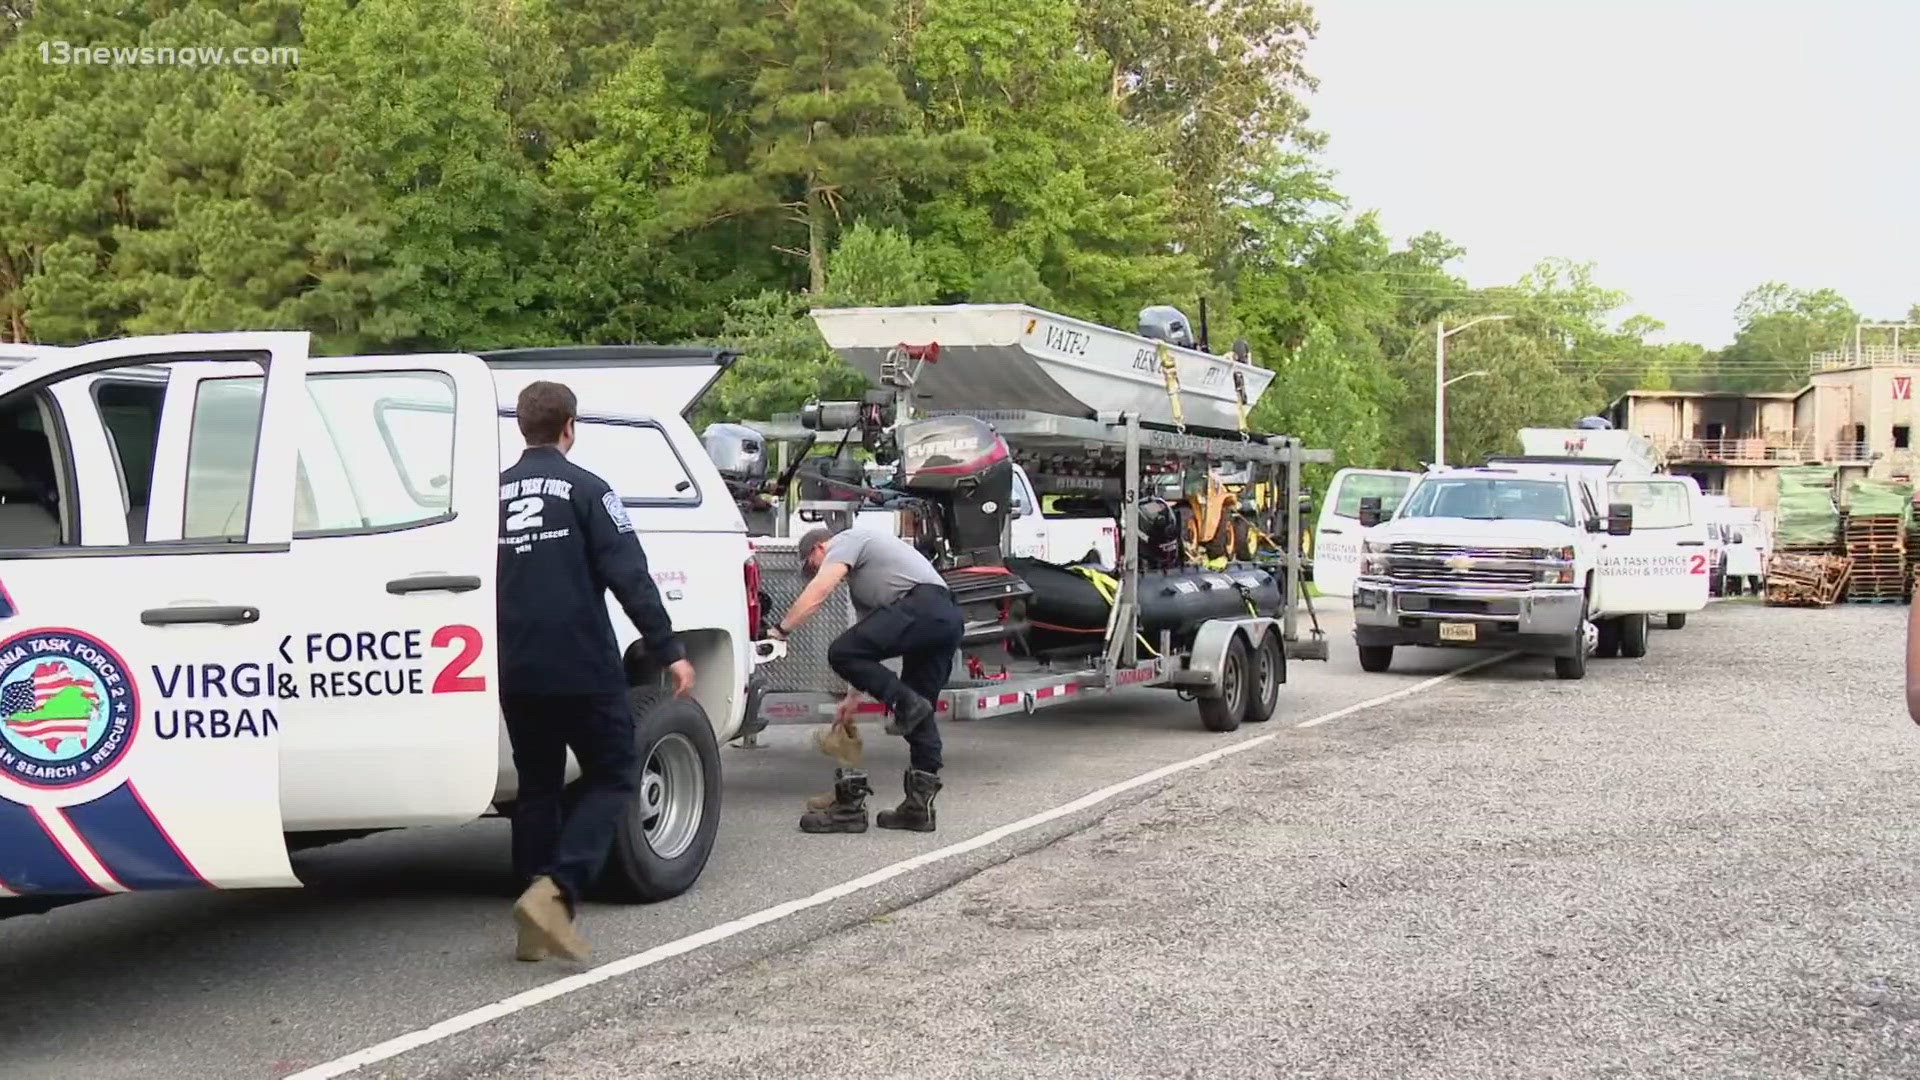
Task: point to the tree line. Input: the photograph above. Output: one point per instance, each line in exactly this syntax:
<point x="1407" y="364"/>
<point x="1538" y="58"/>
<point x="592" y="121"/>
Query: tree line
<point x="466" y="174"/>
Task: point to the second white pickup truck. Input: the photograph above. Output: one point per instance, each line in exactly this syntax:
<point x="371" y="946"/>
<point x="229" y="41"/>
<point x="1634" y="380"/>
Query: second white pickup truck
<point x="1523" y="557"/>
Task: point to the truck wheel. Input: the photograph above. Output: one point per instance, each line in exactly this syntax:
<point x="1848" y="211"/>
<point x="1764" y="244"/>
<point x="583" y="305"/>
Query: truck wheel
<point x="1571" y="667"/>
<point x="1575" y="666"/>
<point x="1633" y="636"/>
<point x="1676" y="620"/>
<point x="1608" y="645"/>
<point x="664" y="840"/>
<point x="1376" y="657"/>
<point x="1269" y="666"/>
<point x="1224" y="711"/>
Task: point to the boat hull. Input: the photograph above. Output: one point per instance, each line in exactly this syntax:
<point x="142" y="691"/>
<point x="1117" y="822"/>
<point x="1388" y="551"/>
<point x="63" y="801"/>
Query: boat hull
<point x="1010" y="356"/>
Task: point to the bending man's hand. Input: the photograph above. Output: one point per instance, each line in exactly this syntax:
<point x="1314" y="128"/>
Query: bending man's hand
<point x="847" y="715"/>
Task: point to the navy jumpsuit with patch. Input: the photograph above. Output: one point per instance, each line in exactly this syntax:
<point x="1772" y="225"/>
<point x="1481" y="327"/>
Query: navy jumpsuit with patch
<point x="565" y="541"/>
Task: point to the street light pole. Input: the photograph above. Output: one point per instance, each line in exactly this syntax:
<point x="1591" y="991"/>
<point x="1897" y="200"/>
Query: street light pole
<point x="1440" y="380"/>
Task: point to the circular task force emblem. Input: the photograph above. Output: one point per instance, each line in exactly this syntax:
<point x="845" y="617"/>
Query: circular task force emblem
<point x="68" y="707"/>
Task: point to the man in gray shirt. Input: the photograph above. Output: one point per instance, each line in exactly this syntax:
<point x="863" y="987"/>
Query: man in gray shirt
<point x="906" y="611"/>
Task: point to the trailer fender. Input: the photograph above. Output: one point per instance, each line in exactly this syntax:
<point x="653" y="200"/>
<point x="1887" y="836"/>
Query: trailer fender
<point x="1210" y="646"/>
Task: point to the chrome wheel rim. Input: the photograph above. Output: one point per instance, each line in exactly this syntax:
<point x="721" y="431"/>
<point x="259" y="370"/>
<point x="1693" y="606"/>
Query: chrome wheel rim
<point x="672" y="796"/>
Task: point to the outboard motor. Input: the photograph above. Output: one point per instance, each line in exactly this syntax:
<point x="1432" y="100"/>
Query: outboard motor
<point x="740" y="455"/>
<point x="960" y="465"/>
<point x="1163" y="322"/>
<point x="963" y="464"/>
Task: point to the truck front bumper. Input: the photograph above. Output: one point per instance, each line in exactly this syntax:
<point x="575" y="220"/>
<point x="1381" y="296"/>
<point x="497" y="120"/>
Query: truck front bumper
<point x="1540" y="621"/>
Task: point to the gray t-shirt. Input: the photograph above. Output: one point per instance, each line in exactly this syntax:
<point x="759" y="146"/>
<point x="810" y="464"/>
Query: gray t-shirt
<point x="880" y="567"/>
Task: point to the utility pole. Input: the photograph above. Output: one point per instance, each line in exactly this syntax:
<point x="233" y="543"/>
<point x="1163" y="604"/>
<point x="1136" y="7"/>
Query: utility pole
<point x="1440" y="380"/>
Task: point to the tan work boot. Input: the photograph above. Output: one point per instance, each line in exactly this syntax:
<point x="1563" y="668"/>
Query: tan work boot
<point x="544" y="919"/>
<point x="842" y="745"/>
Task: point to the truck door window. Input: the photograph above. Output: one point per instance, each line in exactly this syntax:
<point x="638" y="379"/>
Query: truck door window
<point x="1356" y="486"/>
<point x="391" y="434"/>
<point x="130" y="411"/>
<point x="637" y="460"/>
<point x="1656" y="505"/>
<point x="220" y="449"/>
<point x="377" y="452"/>
<point x="30" y="504"/>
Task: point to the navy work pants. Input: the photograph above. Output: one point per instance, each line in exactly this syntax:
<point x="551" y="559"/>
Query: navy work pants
<point x="923" y="629"/>
<point x="569" y="846"/>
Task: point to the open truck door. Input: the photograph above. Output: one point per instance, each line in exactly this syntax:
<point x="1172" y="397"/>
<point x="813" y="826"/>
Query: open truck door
<point x="1664" y="565"/>
<point x="1337" y="534"/>
<point x="141" y="691"/>
<point x="389" y="645"/>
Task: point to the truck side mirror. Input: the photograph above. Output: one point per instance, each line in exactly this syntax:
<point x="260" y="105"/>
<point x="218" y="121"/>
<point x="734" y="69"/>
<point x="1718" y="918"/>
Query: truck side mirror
<point x="1738" y="537"/>
<point x="1370" y="514"/>
<point x="1619" y="519"/>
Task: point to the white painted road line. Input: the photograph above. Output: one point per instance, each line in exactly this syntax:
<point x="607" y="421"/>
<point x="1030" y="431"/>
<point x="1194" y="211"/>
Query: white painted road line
<point x="505" y="1007"/>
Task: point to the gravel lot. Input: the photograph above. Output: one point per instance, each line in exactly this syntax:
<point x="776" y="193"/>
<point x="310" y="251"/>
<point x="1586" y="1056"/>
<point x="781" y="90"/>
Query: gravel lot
<point x="1696" y="864"/>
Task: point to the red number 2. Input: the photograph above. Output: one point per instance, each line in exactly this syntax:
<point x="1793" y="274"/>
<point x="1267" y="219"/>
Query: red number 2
<point x="453" y="678"/>
<point x="1699" y="566"/>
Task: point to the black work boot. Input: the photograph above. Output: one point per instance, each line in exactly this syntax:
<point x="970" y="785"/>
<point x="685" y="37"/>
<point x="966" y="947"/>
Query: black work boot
<point x="915" y="812"/>
<point x="848" y="812"/>
<point x="911" y="711"/>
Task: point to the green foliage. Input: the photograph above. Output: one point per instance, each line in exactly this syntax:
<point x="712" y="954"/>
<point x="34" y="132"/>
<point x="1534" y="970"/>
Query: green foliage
<point x="464" y="173"/>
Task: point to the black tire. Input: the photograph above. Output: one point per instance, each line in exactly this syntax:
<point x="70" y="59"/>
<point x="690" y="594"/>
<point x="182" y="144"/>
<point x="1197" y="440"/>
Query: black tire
<point x="1608" y="644"/>
<point x="666" y="728"/>
<point x="1633" y="636"/>
<point x="1269" y="671"/>
<point x="1571" y="667"/>
<point x="1376" y="658"/>
<point x="1225" y="711"/>
<point x="1676" y="620"/>
<point x="1575" y="666"/>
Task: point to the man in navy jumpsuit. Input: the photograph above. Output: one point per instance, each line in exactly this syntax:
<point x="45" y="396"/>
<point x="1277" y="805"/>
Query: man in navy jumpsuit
<point x="565" y="541"/>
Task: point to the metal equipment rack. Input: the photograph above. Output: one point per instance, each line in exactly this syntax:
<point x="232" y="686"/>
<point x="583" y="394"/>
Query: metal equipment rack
<point x="1112" y="453"/>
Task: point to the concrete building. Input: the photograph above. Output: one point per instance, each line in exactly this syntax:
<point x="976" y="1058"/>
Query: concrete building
<point x="1857" y="412"/>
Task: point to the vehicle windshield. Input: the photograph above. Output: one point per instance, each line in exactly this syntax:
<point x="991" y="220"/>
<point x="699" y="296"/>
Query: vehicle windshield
<point x="1486" y="498"/>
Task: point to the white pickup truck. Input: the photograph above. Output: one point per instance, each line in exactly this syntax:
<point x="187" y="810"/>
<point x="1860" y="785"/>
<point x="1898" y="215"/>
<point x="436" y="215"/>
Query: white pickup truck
<point x="1523" y="557"/>
<point x="247" y="603"/>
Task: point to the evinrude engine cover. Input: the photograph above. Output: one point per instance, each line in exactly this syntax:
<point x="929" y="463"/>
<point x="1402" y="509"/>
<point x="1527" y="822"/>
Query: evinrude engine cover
<point x="961" y="462"/>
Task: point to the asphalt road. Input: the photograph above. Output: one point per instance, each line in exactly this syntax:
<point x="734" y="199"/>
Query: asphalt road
<point x="1697" y="864"/>
<point x="396" y="932"/>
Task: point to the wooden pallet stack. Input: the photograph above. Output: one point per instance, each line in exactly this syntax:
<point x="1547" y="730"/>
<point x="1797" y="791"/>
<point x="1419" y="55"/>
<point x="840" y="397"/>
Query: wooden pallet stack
<point x="1877" y="545"/>
<point x="1913" y="548"/>
<point x="1800" y="579"/>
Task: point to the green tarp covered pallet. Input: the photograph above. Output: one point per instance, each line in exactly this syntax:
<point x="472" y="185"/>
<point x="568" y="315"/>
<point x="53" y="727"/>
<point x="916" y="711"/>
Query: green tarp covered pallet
<point x="1807" y="517"/>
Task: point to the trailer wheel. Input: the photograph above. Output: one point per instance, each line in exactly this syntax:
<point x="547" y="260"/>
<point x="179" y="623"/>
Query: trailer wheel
<point x="1376" y="657"/>
<point x="1224" y="710"/>
<point x="1676" y="620"/>
<point x="1269" y="668"/>
<point x="1633" y="636"/>
<point x="667" y="833"/>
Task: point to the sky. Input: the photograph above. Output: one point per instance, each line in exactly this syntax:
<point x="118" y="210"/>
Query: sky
<point x="1691" y="149"/>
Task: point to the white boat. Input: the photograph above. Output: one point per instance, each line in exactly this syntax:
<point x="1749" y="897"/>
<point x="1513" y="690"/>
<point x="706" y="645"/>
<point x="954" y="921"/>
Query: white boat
<point x="1011" y="356"/>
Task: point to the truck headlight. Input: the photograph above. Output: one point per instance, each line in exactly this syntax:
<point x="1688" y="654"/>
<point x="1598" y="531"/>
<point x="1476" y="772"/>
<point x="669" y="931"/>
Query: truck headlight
<point x="1370" y="547"/>
<point x="1556" y="575"/>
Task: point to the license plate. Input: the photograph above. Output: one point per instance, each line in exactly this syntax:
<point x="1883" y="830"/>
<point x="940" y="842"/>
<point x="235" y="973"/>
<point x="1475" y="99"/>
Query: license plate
<point x="1459" y="631"/>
